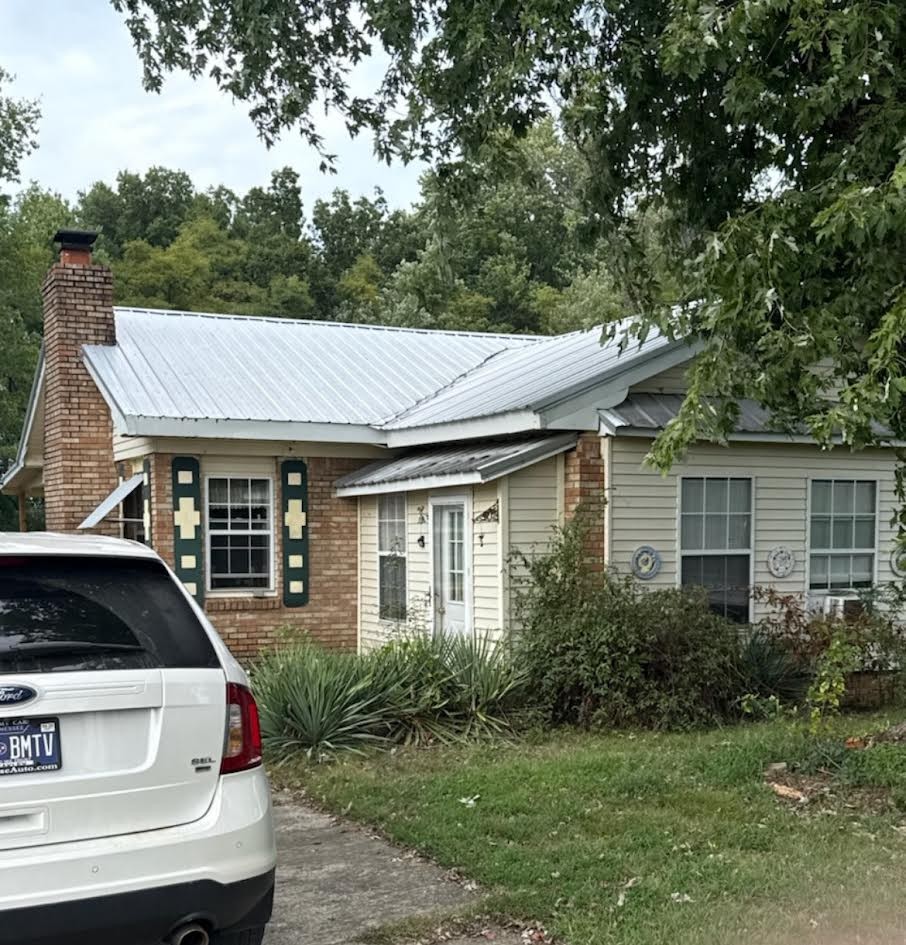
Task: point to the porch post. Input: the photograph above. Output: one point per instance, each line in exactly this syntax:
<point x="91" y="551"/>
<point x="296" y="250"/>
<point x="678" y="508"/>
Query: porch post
<point x="23" y="523"/>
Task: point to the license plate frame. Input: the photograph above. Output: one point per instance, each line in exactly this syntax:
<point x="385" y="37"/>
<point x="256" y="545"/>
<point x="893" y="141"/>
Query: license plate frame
<point x="44" y="754"/>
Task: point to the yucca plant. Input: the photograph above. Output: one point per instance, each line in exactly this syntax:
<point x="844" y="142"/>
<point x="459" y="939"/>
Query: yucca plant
<point x="319" y="702"/>
<point x="487" y="683"/>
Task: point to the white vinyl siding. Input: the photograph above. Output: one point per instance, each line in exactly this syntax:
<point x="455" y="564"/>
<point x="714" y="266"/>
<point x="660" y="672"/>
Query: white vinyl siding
<point x="643" y="505"/>
<point x="671" y="381"/>
<point x="525" y="503"/>
<point x="535" y="502"/>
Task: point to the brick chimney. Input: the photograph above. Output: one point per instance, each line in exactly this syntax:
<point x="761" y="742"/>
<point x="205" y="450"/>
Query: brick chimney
<point x="78" y="436"/>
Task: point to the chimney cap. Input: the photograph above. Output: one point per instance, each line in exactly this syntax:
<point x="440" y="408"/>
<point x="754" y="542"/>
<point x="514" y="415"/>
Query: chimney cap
<point x="75" y="239"/>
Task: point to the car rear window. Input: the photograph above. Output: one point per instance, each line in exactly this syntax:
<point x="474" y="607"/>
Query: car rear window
<point x="68" y="614"/>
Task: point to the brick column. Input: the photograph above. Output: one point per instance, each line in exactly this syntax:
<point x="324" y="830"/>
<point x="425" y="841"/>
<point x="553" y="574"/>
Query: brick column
<point x="78" y="437"/>
<point x="584" y="486"/>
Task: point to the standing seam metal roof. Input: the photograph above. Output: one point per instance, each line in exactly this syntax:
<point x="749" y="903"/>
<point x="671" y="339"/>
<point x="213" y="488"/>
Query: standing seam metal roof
<point x="188" y="365"/>
<point x="487" y="460"/>
<point x="529" y="377"/>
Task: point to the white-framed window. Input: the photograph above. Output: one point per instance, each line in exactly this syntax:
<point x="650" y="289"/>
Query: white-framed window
<point x="716" y="540"/>
<point x="240" y="519"/>
<point x="843" y="533"/>
<point x="392" y="556"/>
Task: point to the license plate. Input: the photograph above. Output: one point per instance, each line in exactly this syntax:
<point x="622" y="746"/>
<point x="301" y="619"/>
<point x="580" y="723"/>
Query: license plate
<point x="28" y="746"/>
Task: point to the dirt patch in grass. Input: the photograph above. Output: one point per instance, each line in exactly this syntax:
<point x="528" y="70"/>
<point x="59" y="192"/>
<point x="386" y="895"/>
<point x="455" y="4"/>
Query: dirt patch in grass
<point x="821" y="793"/>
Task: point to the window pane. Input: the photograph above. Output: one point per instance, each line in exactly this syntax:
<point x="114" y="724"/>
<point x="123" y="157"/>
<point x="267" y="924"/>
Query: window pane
<point x="864" y="533"/>
<point x="865" y="497"/>
<point x="692" y="531"/>
<point x="692" y="498"/>
<point x="260" y="491"/>
<point x="392" y="577"/>
<point x="726" y="578"/>
<point x="713" y="571"/>
<point x="839" y="571"/>
<point x="716" y="495"/>
<point x="862" y="570"/>
<point x="692" y="569"/>
<point x="239" y="492"/>
<point x="392" y="523"/>
<point x="821" y="497"/>
<point x="821" y="531"/>
<point x="818" y="571"/>
<point x="741" y="495"/>
<point x="843" y="497"/>
<point x="715" y="532"/>
<point x="842" y="533"/>
<point x="218" y="492"/>
<point x="739" y="531"/>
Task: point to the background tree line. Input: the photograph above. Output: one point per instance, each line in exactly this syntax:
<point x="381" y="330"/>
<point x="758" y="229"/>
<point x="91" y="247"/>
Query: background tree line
<point x="512" y="255"/>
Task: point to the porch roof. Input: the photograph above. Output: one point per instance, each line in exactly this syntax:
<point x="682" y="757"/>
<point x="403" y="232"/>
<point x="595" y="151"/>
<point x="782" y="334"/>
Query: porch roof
<point x="454" y="465"/>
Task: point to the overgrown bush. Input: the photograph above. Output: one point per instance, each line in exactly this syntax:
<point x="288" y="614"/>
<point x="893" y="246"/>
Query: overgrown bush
<point x="829" y="648"/>
<point x="602" y="650"/>
<point x="415" y="690"/>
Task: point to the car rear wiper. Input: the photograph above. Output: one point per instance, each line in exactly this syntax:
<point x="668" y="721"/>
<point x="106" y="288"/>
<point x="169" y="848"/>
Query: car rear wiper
<point x="72" y="646"/>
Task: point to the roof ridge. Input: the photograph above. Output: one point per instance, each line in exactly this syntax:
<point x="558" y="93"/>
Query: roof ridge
<point x="422" y="400"/>
<point x="328" y="323"/>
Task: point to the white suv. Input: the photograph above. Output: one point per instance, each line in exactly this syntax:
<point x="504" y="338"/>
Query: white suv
<point x="133" y="805"/>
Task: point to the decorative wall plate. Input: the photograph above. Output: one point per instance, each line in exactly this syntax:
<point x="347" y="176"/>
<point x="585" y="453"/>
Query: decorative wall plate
<point x="781" y="561"/>
<point x="646" y="562"/>
<point x="898" y="562"/>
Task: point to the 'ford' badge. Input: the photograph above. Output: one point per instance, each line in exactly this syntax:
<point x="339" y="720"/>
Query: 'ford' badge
<point x="16" y="695"/>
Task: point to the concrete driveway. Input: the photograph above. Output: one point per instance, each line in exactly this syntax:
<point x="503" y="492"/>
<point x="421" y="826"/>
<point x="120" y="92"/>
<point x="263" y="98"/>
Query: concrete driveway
<point x="335" y="881"/>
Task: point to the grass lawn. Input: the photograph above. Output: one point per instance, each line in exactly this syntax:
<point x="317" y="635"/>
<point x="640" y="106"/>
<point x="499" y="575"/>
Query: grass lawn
<point x="640" y="839"/>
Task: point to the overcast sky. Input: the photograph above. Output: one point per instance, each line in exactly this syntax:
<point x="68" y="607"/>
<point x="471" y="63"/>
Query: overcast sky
<point x="78" y="59"/>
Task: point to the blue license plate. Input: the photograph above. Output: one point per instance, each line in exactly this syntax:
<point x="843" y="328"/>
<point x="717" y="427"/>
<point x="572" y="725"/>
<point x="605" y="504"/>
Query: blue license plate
<point x="28" y="746"/>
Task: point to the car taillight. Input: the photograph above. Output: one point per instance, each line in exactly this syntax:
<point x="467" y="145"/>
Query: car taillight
<point x="242" y="745"/>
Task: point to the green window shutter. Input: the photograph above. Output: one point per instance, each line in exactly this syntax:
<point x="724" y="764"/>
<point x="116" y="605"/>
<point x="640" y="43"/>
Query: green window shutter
<point x="187" y="531"/>
<point x="294" y="507"/>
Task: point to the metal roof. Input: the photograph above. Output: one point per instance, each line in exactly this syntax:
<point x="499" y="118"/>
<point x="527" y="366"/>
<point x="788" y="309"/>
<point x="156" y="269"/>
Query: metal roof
<point x="649" y="413"/>
<point x="655" y="411"/>
<point x="531" y="377"/>
<point x="192" y="366"/>
<point x="459" y="464"/>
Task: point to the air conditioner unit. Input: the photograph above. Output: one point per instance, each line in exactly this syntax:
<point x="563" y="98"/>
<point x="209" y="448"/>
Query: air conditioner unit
<point x="845" y="604"/>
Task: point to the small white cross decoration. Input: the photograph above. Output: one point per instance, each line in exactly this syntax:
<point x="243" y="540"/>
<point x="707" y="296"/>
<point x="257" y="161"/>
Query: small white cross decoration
<point x="187" y="518"/>
<point x="294" y="518"/>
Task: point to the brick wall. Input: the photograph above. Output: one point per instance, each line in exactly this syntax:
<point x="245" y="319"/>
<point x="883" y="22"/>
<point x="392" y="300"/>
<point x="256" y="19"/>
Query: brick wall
<point x="249" y="623"/>
<point x="584" y="485"/>
<point x="78" y="453"/>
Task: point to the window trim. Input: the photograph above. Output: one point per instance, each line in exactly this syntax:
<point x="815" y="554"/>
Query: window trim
<point x="271" y="589"/>
<point x="391" y="621"/>
<point x="820" y="592"/>
<point x="750" y="551"/>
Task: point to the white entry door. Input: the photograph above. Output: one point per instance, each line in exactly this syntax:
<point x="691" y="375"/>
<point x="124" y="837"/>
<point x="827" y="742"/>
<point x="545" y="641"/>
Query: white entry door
<point x="451" y="566"/>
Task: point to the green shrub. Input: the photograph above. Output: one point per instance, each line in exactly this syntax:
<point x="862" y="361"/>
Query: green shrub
<point x="418" y="689"/>
<point x="319" y="702"/>
<point x="769" y="670"/>
<point x="603" y="650"/>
